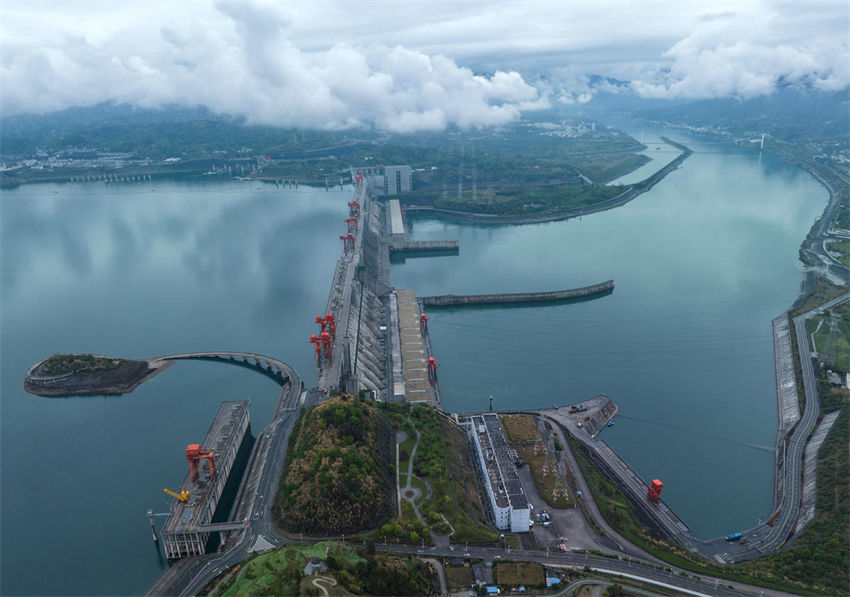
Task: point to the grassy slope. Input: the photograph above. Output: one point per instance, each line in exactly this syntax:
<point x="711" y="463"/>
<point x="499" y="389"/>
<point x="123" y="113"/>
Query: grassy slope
<point x="443" y="457"/>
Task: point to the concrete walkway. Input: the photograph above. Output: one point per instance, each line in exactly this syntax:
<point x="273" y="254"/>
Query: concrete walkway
<point x="321" y="579"/>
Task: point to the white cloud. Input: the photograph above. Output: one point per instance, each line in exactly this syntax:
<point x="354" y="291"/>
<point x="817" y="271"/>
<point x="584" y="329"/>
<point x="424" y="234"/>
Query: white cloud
<point x="238" y="59"/>
<point x="406" y="66"/>
<point x="746" y="58"/>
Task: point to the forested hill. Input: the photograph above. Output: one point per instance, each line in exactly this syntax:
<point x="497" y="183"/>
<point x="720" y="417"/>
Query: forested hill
<point x="339" y="475"/>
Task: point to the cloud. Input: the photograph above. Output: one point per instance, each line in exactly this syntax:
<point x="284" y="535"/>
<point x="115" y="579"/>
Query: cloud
<point x="407" y="66"/>
<point x="238" y="59"/>
<point x="745" y="68"/>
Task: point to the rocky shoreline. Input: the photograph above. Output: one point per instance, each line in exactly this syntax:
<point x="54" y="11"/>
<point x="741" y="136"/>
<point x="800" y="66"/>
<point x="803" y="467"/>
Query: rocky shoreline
<point x="121" y="380"/>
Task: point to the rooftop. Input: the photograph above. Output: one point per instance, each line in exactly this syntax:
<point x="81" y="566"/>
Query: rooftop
<point x="501" y="470"/>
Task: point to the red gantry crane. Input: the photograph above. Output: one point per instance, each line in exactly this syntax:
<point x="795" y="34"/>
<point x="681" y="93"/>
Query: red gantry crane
<point x="354" y="208"/>
<point x="194" y="454"/>
<point x="318" y="342"/>
<point x="654" y="492"/>
<point x="347" y="242"/>
<point x="432" y="369"/>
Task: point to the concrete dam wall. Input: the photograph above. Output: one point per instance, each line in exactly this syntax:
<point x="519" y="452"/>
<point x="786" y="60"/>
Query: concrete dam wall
<point x="522" y="297"/>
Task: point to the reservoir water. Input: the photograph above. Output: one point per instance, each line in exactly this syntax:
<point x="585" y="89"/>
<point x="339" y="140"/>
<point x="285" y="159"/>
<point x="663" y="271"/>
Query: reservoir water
<point x="701" y="263"/>
<point x="140" y="270"/>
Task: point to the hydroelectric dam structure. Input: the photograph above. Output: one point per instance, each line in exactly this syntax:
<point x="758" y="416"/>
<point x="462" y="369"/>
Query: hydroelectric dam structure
<point x="187" y="529"/>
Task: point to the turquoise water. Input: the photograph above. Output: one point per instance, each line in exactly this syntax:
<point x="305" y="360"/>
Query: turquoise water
<point x="139" y="271"/>
<point x="701" y="264"/>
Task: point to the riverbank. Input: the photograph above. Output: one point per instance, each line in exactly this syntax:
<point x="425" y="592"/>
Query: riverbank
<point x="124" y="377"/>
<point x="630" y="193"/>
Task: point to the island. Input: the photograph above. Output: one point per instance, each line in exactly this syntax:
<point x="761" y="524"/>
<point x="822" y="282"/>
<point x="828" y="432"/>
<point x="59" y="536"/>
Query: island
<point x="89" y="374"/>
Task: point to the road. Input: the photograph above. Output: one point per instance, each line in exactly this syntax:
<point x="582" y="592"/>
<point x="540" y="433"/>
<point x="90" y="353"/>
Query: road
<point x="814" y="247"/>
<point x="649" y="573"/>
<point x="790" y="508"/>
<point x="197" y="572"/>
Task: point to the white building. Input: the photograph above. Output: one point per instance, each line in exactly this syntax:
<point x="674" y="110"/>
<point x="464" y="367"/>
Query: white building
<point x="388" y="180"/>
<point x="504" y="489"/>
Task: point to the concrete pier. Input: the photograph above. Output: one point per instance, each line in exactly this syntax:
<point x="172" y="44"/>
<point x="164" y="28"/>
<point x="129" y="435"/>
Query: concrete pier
<point x="522" y="297"/>
<point x="183" y="533"/>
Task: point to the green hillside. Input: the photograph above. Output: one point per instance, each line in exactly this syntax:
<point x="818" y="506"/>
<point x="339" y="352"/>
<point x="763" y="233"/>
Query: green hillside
<point x="338" y="476"/>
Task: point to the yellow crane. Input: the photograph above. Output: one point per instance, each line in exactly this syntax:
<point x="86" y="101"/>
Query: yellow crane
<point x="183" y="496"/>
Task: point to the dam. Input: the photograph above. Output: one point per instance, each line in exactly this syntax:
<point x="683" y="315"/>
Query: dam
<point x="184" y="533"/>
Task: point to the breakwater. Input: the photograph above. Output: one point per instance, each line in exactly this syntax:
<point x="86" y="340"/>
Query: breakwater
<point x="422" y="246"/>
<point x="446" y="300"/>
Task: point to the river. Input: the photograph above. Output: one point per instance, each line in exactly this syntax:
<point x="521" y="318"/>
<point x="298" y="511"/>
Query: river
<point x="701" y="264"/>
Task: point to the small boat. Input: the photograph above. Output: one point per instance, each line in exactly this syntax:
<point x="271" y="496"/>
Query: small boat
<point x="611" y="423"/>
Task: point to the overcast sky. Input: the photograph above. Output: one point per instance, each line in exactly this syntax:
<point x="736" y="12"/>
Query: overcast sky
<point x="406" y="66"/>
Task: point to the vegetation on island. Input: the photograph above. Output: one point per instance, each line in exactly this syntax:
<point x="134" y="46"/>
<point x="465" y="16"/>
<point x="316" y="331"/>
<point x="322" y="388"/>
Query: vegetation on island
<point x="87" y="374"/>
<point x="60" y="364"/>
<point x="339" y="474"/>
<point x="348" y="571"/>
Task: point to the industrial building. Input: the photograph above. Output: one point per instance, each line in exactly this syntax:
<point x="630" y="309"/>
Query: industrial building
<point x="501" y="480"/>
<point x="210" y="463"/>
<point x="398" y="230"/>
<point x="388" y="180"/>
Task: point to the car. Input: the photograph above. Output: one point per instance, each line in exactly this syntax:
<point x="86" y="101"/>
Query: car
<point x="497" y="557"/>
